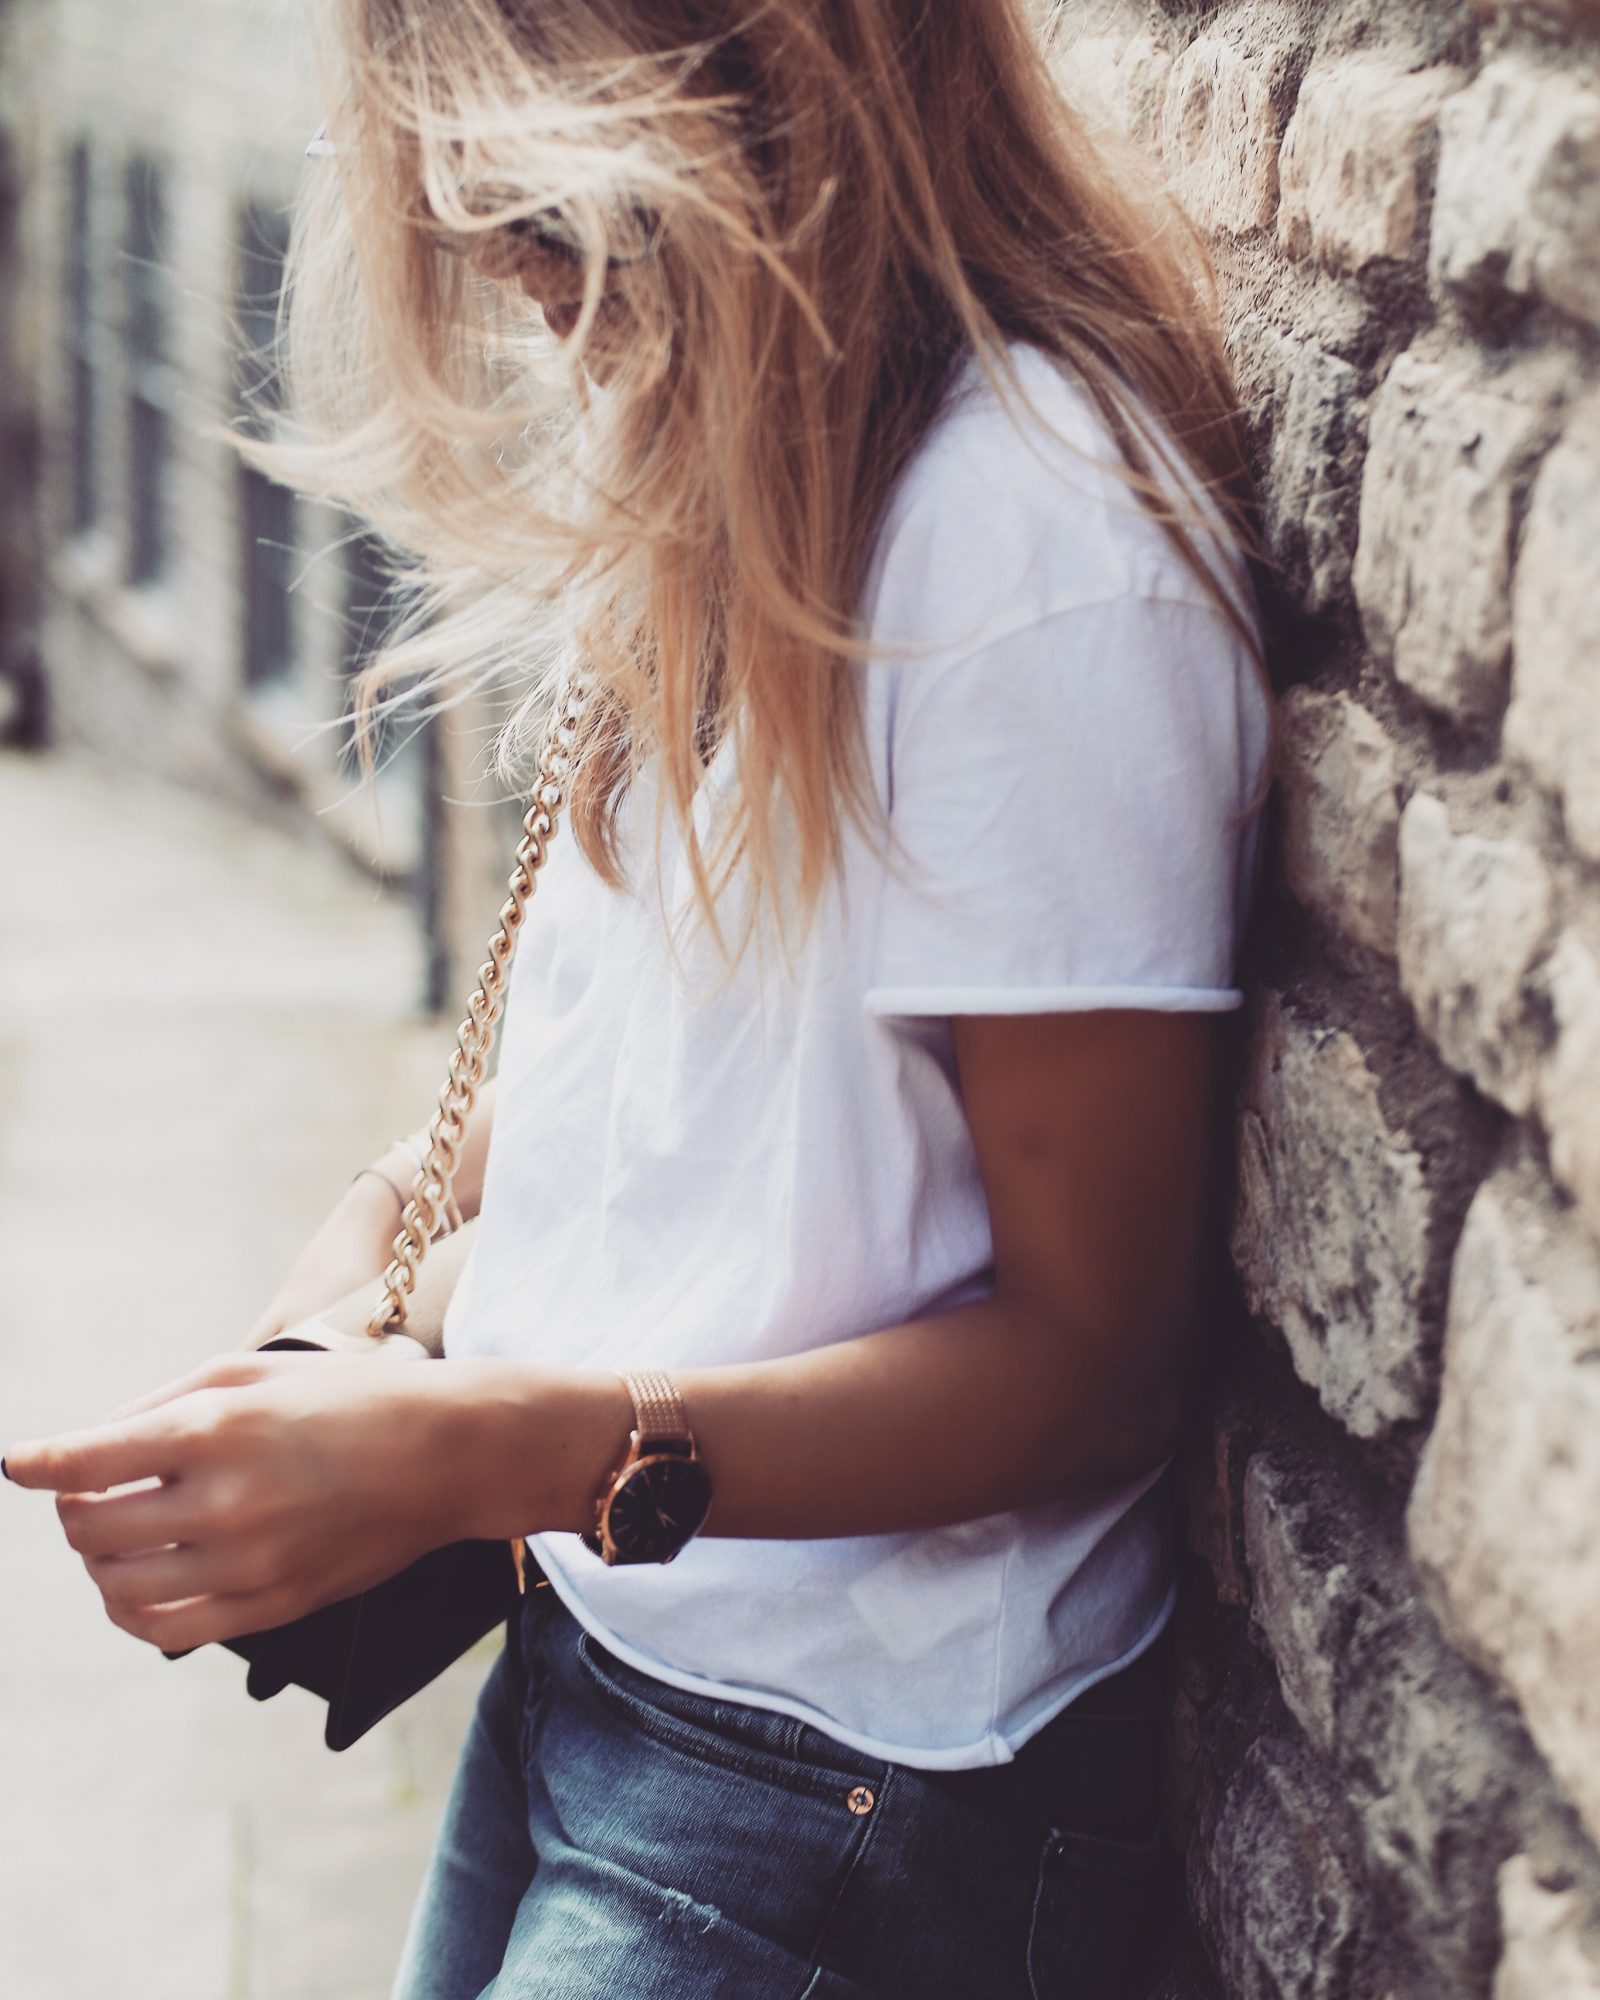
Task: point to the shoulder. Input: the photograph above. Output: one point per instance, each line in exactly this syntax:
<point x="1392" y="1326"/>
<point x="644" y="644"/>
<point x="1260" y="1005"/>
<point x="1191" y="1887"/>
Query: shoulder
<point x="1013" y="511"/>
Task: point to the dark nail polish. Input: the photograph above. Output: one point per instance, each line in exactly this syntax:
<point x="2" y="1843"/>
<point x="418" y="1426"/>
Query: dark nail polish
<point x="3" y="1468"/>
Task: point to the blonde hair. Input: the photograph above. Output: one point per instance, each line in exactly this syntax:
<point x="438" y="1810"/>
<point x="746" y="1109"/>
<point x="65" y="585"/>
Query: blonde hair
<point x="803" y="214"/>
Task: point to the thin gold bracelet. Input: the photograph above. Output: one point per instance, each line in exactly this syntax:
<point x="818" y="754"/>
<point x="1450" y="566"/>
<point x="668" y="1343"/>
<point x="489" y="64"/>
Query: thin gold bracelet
<point x="378" y="1174"/>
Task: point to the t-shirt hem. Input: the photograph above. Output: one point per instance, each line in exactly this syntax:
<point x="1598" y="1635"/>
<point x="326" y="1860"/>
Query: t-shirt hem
<point x="1050" y="999"/>
<point x="1024" y="1732"/>
<point x="997" y="1747"/>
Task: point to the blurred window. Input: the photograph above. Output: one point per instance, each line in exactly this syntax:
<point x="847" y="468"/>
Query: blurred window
<point x="405" y="746"/>
<point x="150" y="379"/>
<point x="267" y="529"/>
<point x="263" y="251"/>
<point x="267" y="522"/>
<point x="374" y="599"/>
<point x="80" y="343"/>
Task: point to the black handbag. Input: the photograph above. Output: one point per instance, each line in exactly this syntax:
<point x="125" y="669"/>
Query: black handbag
<point x="367" y="1654"/>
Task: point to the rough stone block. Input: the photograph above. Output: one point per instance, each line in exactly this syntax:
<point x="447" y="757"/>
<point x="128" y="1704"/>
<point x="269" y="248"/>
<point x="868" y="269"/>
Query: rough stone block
<point x="1515" y="210"/>
<point x="1313" y="404"/>
<point x="1287" y="1880"/>
<point x="1330" y="1232"/>
<point x="1213" y="1463"/>
<point x="1476" y="918"/>
<point x="1449" y="456"/>
<point x="1553" y="723"/>
<point x="1502" y="1516"/>
<point x="1341" y="815"/>
<point x="1569" y="1087"/>
<point x="1431" y="1766"/>
<point x="1552" y="1944"/>
<point x="1304" y="1594"/>
<point x="1353" y="168"/>
<point x="1221" y="126"/>
<point x="1119" y="79"/>
<point x="1559" y="16"/>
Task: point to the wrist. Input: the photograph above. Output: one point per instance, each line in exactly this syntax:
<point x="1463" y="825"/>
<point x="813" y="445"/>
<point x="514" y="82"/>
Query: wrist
<point x="528" y="1448"/>
<point x="398" y="1168"/>
<point x="395" y="1165"/>
<point x="375" y="1200"/>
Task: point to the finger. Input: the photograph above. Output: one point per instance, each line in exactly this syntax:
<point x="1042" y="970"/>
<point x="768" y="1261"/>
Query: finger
<point x="201" y="1621"/>
<point x="223" y="1371"/>
<point x="116" y="1524"/>
<point x="171" y="1576"/>
<point x="153" y="1401"/>
<point x="91" y="1461"/>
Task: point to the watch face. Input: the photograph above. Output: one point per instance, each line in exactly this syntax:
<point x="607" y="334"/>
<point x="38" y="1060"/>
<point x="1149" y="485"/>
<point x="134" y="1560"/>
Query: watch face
<point x="660" y="1503"/>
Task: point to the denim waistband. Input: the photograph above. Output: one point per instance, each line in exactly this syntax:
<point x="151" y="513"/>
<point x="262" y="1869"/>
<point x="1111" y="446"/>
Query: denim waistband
<point x="1096" y="1764"/>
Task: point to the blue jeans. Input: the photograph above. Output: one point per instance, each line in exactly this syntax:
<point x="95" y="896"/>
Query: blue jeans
<point x="611" y="1838"/>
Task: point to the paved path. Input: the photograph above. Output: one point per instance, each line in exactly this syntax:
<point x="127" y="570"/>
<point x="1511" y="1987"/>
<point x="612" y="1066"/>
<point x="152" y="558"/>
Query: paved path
<point x="203" y="1024"/>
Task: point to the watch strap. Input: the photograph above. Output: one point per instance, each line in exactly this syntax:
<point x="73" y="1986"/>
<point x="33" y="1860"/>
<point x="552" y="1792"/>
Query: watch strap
<point x="659" y="1416"/>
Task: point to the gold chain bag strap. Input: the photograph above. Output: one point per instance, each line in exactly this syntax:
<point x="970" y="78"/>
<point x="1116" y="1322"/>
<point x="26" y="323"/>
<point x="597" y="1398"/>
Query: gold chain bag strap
<point x="367" y="1654"/>
<point x="431" y="1204"/>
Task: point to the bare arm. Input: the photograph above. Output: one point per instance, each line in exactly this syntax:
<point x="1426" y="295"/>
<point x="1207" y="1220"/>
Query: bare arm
<point x="354" y="1243"/>
<point x="1094" y="1135"/>
<point x="474" y="1151"/>
<point x="429" y="1298"/>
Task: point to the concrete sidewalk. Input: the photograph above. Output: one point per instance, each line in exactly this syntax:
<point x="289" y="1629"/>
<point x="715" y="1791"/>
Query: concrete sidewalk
<point x="204" y="1025"/>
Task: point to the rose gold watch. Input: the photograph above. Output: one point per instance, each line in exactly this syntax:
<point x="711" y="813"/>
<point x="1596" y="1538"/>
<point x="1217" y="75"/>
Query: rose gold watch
<point x="657" y="1499"/>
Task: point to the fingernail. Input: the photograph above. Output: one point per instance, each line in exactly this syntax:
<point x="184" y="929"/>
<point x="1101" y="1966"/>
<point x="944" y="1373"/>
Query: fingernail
<point x="3" y="1468"/>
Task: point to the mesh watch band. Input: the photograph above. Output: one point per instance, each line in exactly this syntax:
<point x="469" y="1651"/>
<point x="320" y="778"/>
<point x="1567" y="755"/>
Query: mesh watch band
<point x="657" y="1409"/>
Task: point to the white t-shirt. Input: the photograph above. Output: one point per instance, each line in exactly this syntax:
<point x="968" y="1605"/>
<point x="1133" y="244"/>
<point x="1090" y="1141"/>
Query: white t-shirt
<point x="688" y="1169"/>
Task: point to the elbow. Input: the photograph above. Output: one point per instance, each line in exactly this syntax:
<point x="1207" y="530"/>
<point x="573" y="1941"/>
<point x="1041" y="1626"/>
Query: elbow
<point x="1115" y="1442"/>
<point x="1145" y="1441"/>
<point x="1148" y="1427"/>
<point x="1143" y="1426"/>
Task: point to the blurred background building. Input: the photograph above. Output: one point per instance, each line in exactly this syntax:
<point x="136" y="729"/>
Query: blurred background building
<point x="161" y="601"/>
<point x="219" y="961"/>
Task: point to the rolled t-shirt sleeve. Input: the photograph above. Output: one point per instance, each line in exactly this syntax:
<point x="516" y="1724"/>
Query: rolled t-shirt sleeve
<point x="1070" y="812"/>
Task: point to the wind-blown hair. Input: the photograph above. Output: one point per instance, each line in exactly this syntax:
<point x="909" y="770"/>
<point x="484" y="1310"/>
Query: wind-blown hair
<point x="795" y="217"/>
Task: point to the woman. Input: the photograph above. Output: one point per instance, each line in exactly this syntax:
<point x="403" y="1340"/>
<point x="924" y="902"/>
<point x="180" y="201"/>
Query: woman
<point x="800" y="378"/>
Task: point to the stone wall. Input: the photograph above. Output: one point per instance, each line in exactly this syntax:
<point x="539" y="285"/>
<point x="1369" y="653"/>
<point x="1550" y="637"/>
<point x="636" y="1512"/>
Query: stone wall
<point x="1387" y="1779"/>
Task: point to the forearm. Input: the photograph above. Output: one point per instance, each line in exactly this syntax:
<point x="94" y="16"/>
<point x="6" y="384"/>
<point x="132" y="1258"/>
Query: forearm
<point x="429" y="1298"/>
<point x="355" y="1241"/>
<point x="996" y="1405"/>
<point x="398" y="1165"/>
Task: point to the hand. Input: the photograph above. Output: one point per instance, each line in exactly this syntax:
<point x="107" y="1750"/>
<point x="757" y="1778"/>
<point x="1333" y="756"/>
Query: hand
<point x="351" y="1249"/>
<point x="257" y="1489"/>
